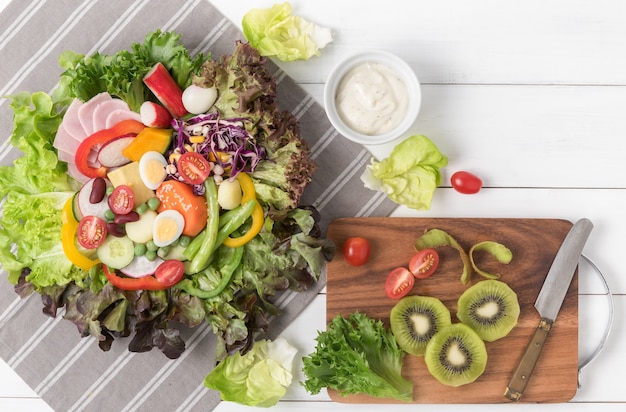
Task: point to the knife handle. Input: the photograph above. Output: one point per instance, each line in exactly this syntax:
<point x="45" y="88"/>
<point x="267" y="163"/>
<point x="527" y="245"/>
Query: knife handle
<point x="521" y="376"/>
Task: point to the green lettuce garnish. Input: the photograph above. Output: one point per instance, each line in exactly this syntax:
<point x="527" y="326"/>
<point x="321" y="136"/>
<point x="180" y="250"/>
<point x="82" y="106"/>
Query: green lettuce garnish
<point x="356" y="355"/>
<point x="258" y="378"/>
<point x="276" y="32"/>
<point x="410" y="175"/>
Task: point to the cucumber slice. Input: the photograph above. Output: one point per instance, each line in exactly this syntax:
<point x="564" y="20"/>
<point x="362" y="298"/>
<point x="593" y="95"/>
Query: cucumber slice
<point x="141" y="266"/>
<point x="116" y="252"/>
<point x="75" y="208"/>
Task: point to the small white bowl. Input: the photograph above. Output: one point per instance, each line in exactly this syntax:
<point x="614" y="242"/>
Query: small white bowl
<point x="402" y="69"/>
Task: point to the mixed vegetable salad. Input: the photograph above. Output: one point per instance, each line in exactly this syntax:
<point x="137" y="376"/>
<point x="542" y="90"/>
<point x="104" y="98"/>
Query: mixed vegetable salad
<point x="158" y="188"/>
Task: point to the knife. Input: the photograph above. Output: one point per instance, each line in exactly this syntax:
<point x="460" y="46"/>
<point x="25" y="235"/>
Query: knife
<point x="549" y="303"/>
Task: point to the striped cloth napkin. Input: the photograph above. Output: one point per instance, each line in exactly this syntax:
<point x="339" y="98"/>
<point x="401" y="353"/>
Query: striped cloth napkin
<point x="73" y="374"/>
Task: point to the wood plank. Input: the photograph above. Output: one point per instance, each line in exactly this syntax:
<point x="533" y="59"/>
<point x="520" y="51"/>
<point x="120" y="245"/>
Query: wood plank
<point x="534" y="243"/>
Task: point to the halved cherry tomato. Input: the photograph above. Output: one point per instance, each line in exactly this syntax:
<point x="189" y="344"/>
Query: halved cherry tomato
<point x="91" y="232"/>
<point x="399" y="283"/>
<point x="121" y="200"/>
<point x="356" y="251"/>
<point x="170" y="272"/>
<point x="466" y="183"/>
<point x="424" y="263"/>
<point x="193" y="167"/>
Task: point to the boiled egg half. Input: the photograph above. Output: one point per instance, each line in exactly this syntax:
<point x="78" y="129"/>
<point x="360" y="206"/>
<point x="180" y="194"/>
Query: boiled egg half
<point x="168" y="226"/>
<point x="152" y="169"/>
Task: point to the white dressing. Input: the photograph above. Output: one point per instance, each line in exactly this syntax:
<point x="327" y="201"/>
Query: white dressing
<point x="372" y="99"/>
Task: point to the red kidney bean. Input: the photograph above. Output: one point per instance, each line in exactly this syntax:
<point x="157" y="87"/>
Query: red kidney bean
<point x="98" y="190"/>
<point x="127" y="218"/>
<point x="116" y="230"/>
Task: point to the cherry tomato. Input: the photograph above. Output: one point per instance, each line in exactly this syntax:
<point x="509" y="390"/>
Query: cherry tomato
<point x="424" y="263"/>
<point x="193" y="167"/>
<point x="356" y="251"/>
<point x="169" y="272"/>
<point x="121" y="200"/>
<point x="399" y="283"/>
<point x="91" y="232"/>
<point x="466" y="183"/>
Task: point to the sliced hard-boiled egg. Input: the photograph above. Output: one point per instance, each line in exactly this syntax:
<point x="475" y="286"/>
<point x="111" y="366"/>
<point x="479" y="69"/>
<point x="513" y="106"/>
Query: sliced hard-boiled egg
<point x="168" y="226"/>
<point x="152" y="169"/>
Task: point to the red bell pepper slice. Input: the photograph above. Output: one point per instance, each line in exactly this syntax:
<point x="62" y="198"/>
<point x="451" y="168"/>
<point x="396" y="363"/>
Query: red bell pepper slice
<point x="144" y="283"/>
<point x="96" y="140"/>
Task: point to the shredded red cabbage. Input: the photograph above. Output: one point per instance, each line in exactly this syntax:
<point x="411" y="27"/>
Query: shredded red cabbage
<point x="226" y="142"/>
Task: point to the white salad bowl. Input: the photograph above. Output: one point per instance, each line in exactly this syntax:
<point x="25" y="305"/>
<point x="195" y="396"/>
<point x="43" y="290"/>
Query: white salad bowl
<point x="404" y="72"/>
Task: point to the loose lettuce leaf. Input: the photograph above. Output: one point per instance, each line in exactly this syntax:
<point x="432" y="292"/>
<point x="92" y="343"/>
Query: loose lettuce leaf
<point x="258" y="378"/>
<point x="410" y="175"/>
<point x="276" y="32"/>
<point x="357" y="355"/>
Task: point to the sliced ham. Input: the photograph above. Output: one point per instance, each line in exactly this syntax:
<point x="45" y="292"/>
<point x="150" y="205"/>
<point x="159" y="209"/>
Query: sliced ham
<point x="85" y="113"/>
<point x="104" y="109"/>
<point x="117" y="116"/>
<point x="71" y="123"/>
<point x="73" y="171"/>
<point x="65" y="141"/>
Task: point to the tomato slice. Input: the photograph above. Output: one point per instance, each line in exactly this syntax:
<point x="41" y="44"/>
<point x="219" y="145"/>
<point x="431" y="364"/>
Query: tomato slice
<point x="466" y="183"/>
<point x="122" y="200"/>
<point x="399" y="282"/>
<point x="193" y="168"/>
<point x="356" y="251"/>
<point x="424" y="263"/>
<point x="169" y="272"/>
<point x="91" y="232"/>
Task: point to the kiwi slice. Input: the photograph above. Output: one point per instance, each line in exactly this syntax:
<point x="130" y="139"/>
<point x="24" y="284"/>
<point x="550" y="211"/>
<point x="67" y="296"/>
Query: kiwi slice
<point x="490" y="307"/>
<point x="415" y="320"/>
<point x="456" y="355"/>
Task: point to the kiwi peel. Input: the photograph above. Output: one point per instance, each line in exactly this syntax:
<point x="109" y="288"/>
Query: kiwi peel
<point x="490" y="307"/>
<point x="456" y="355"/>
<point x="414" y="320"/>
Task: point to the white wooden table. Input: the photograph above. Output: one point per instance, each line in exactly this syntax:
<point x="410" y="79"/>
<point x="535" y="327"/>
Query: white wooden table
<point x="530" y="96"/>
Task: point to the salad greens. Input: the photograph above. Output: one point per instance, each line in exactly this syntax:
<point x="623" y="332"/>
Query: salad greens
<point x="357" y="355"/>
<point x="410" y="175"/>
<point x="276" y="32"/>
<point x="258" y="378"/>
<point x="288" y="254"/>
<point x="122" y="74"/>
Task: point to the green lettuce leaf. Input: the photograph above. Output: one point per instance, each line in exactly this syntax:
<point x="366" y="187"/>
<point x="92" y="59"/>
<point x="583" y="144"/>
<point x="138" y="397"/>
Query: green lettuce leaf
<point x="357" y="355"/>
<point x="276" y="32"/>
<point x="410" y="175"/>
<point x="258" y="378"/>
<point x="33" y="224"/>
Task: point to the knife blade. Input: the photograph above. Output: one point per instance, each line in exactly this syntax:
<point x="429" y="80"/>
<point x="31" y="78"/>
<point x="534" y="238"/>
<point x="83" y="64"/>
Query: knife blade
<point x="548" y="303"/>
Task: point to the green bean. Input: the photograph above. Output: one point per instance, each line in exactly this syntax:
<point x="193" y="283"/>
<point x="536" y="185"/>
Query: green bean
<point x="201" y="258"/>
<point x="226" y="270"/>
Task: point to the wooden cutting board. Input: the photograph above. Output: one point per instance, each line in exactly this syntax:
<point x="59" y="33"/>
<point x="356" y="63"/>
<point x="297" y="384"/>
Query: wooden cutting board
<point x="533" y="242"/>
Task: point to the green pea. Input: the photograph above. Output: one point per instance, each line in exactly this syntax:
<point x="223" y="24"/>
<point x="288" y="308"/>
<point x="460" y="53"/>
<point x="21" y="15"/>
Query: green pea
<point x="151" y="255"/>
<point x="163" y="251"/>
<point x="109" y="215"/>
<point x="142" y="208"/>
<point x="140" y="249"/>
<point x="110" y="190"/>
<point x="154" y="203"/>
<point x="184" y="241"/>
<point x="152" y="247"/>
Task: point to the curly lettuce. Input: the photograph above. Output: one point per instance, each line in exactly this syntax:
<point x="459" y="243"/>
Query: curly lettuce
<point x="357" y="355"/>
<point x="121" y="74"/>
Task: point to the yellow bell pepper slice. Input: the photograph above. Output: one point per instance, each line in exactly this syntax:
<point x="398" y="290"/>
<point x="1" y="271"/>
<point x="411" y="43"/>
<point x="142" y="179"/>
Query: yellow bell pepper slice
<point x="248" y="193"/>
<point x="68" y="233"/>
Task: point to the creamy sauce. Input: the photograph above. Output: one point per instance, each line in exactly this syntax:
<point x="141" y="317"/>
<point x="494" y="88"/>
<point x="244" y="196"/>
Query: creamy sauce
<point x="372" y="99"/>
